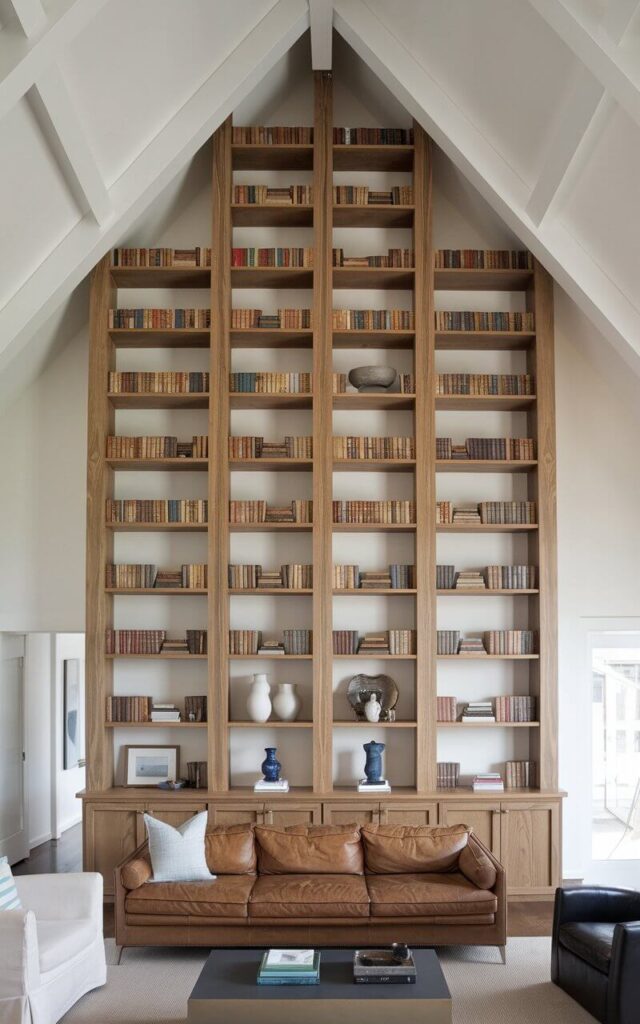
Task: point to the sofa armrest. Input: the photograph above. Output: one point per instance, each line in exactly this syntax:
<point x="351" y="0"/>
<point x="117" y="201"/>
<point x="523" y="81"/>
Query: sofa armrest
<point x="20" y="962"/>
<point x="499" y="888"/>
<point x="624" y="974"/>
<point x="63" y="897"/>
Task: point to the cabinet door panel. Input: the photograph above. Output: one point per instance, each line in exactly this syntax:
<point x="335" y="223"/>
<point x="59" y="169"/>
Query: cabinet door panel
<point x="347" y="814"/>
<point x="530" y="845"/>
<point x="483" y="818"/>
<point x="110" y="835"/>
<point x="240" y="814"/>
<point x="408" y="814"/>
<point x="292" y="814"/>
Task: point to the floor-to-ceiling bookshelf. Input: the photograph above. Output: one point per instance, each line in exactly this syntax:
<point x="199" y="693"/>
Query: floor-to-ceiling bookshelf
<point x="522" y="826"/>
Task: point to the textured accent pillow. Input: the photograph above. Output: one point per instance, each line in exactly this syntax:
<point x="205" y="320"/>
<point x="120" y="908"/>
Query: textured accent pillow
<point x="177" y="854"/>
<point x="9" y="899"/>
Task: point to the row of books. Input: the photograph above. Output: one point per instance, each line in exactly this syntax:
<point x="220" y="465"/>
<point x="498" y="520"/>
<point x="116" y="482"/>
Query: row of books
<point x="154" y="641"/>
<point x="362" y="195"/>
<point x="483" y="259"/>
<point x="496" y="449"/>
<point x="515" y="709"/>
<point x="166" y="447"/>
<point x="447" y="774"/>
<point x="273" y="195"/>
<point x="486" y="513"/>
<point x="158" y="382"/>
<point x="143" y="709"/>
<point x="373" y="320"/>
<point x="290" y="447"/>
<point x="157" y="510"/>
<point x="394" y="258"/>
<point x="390" y="511"/>
<point x="354" y="447"/>
<point x="157" y="319"/>
<point x="520" y="774"/>
<point x="405" y="383"/>
<point x="282" y="319"/>
<point x="273" y="257"/>
<point x="197" y="774"/>
<point x="510" y="641"/>
<point x="390" y="641"/>
<point x="190" y="576"/>
<point x="271" y="135"/>
<point x="470" y="320"/>
<point x="395" y="577"/>
<point x="298" y="510"/>
<point x="249" y="641"/>
<point x="511" y="577"/>
<point x="485" y="384"/>
<point x="129" y="709"/>
<point x="262" y="382"/>
<point x="373" y="136"/>
<point x="127" y="256"/>
<point x="292" y="576"/>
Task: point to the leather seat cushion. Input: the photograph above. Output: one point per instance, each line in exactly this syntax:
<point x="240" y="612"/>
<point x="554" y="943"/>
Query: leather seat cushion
<point x="589" y="940"/>
<point x="226" y="896"/>
<point x="309" y="896"/>
<point x="309" y="849"/>
<point x="60" y="941"/>
<point x="393" y="849"/>
<point x="428" y="895"/>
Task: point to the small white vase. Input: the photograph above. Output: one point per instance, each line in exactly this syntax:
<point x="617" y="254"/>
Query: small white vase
<point x="372" y="709"/>
<point x="286" y="702"/>
<point x="258" y="701"/>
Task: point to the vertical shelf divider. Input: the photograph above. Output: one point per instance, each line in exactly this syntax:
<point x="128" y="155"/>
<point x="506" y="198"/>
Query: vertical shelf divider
<point x="322" y="434"/>
<point x="99" y="606"/>
<point x="425" y="478"/>
<point x="219" y="426"/>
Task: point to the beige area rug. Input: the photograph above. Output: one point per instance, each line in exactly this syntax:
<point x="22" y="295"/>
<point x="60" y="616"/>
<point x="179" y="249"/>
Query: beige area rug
<point x="151" y="986"/>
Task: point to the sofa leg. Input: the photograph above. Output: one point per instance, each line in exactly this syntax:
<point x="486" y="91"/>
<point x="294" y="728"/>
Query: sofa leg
<point x="120" y="955"/>
<point x="503" y="954"/>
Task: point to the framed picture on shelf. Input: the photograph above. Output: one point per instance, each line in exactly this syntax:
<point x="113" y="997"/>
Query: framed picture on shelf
<point x="149" y="765"/>
<point x="73" y="739"/>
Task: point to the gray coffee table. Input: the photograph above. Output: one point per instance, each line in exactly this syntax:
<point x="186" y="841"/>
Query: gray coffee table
<point x="227" y="993"/>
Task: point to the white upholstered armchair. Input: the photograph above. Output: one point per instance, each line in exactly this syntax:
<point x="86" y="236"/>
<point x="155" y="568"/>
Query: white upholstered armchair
<point x="52" y="949"/>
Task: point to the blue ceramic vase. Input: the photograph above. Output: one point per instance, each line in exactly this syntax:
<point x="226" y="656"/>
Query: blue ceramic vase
<point x="271" y="767"/>
<point x="373" y="763"/>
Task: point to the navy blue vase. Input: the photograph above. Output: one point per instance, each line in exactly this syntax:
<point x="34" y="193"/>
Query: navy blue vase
<point x="373" y="764"/>
<point x="271" y="767"/>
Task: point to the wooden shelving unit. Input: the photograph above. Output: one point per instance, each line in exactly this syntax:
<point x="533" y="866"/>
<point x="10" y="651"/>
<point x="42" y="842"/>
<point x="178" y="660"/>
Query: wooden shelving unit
<point x="530" y="834"/>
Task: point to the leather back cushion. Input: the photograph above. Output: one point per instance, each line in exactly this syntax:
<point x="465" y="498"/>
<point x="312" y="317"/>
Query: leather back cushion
<point x="231" y="850"/>
<point x="309" y="850"/>
<point x="400" y="849"/>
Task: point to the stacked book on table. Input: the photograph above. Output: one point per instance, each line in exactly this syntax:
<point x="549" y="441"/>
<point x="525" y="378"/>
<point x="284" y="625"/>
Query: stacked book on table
<point x="290" y="967"/>
<point x="478" y="711"/>
<point x="488" y="782"/>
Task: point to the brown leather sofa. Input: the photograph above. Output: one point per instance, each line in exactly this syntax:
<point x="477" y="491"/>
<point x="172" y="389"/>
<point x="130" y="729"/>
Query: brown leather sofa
<point x="321" y="885"/>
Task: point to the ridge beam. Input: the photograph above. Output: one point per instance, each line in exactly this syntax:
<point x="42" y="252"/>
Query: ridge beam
<point x="31" y="15"/>
<point x="321" y="23"/>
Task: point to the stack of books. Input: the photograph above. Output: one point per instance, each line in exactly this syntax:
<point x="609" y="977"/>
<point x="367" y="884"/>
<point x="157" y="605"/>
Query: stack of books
<point x="371" y="580"/>
<point x="374" y="643"/>
<point x="378" y="967"/>
<point x="471" y="645"/>
<point x="488" y="782"/>
<point x="466" y="514"/>
<point x="290" y="967"/>
<point x="271" y="647"/>
<point x="382" y="786"/>
<point x="478" y="711"/>
<point x="470" y="580"/>
<point x="262" y="786"/>
<point x="165" y="713"/>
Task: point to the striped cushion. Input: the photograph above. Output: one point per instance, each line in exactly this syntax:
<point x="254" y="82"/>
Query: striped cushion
<point x="9" y="899"/>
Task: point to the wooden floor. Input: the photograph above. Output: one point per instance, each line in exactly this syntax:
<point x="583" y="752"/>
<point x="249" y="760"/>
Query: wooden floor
<point x="65" y="854"/>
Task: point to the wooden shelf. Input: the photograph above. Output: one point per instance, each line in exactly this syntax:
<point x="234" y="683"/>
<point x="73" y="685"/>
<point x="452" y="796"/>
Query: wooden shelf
<point x="373" y="158"/>
<point x="347" y="215"/>
<point x="374" y="465"/>
<point x="485" y="465"/>
<point x="156" y="527"/>
<point x="487" y="592"/>
<point x="155" y="725"/>
<point x="376" y="591"/>
<point x="374" y="725"/>
<point x="374" y="527"/>
<point x="482" y="280"/>
<point x="156" y="591"/>
<point x="272" y="277"/>
<point x="270" y="527"/>
<point x="266" y="465"/>
<point x="488" y="725"/>
<point x="374" y="277"/>
<point x="161" y="277"/>
<point x="375" y="657"/>
<point x="373" y="339"/>
<point x="249" y="400"/>
<point x="270" y="657"/>
<point x="270" y="215"/>
<point x="254" y="157"/>
<point x="171" y="337"/>
<point x="271" y="725"/>
<point x="486" y="528"/>
<point x="171" y="465"/>
<point x="374" y="400"/>
<point x="279" y="337"/>
<point x="269" y="591"/>
<point x="484" y="341"/>
<point x="499" y="403"/>
<point x="487" y="657"/>
<point x="167" y="656"/>
<point x="137" y="400"/>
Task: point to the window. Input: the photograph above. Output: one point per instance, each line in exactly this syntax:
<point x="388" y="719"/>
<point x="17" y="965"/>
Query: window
<point x="621" y="741"/>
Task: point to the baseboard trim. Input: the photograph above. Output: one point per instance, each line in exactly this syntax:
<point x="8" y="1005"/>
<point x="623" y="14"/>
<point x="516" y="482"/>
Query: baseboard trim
<point x="39" y="840"/>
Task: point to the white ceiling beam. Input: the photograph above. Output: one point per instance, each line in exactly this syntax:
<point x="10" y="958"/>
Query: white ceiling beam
<point x="617" y="18"/>
<point x="164" y="157"/>
<point x="23" y="60"/>
<point x="58" y="104"/>
<point x="31" y="15"/>
<point x="321" y="21"/>
<point x="613" y="312"/>
<point x="615" y="70"/>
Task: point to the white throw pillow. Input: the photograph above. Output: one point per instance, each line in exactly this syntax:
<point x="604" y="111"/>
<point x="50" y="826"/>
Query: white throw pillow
<point x="177" y="854"/>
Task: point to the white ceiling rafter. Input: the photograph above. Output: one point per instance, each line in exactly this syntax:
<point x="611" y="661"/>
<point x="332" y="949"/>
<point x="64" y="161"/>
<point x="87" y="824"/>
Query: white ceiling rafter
<point x="597" y="294"/>
<point x="31" y="15"/>
<point x="321" y="22"/>
<point x="155" y="167"/>
<point x="617" y="18"/>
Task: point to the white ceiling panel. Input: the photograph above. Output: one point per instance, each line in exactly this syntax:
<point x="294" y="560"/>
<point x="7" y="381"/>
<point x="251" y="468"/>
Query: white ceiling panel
<point x="603" y="211"/>
<point x="137" y="64"/>
<point x="497" y="60"/>
<point x="37" y="209"/>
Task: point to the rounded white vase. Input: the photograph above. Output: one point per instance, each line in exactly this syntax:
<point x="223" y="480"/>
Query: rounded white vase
<point x="258" y="701"/>
<point x="286" y="702"/>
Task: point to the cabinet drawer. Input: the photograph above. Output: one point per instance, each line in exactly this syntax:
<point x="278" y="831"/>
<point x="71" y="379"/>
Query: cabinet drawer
<point x="292" y="814"/>
<point x="408" y="814"/>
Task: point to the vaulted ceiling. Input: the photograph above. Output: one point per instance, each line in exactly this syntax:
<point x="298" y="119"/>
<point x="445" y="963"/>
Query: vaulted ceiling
<point x="104" y="102"/>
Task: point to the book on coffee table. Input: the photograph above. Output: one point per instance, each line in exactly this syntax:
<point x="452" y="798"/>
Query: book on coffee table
<point x="289" y="967"/>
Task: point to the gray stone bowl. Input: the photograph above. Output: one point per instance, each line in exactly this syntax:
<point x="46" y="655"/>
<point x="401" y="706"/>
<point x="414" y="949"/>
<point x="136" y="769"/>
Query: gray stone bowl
<point x="372" y="378"/>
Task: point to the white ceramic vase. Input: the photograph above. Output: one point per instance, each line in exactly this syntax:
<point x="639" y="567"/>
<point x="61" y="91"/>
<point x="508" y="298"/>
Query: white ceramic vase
<point x="286" y="702"/>
<point x="372" y="709"/>
<point x="258" y="701"/>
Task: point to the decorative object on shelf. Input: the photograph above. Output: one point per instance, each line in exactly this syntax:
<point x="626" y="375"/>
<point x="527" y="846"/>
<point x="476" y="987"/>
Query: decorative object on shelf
<point x="286" y="702"/>
<point x="271" y="767"/>
<point x="362" y="687"/>
<point x="373" y="781"/>
<point x="195" y="709"/>
<point x="372" y="709"/>
<point x="147" y="765"/>
<point x="259" y="701"/>
<point x="372" y="379"/>
<point x="170" y="784"/>
<point x="73" y="749"/>
<point x="197" y="774"/>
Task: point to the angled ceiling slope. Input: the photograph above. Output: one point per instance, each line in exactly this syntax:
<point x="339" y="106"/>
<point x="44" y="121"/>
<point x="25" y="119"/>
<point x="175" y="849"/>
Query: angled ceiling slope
<point x="104" y="102"/>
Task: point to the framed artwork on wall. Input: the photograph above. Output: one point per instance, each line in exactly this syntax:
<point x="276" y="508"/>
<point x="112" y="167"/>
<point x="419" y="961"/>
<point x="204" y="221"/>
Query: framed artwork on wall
<point x="149" y="765"/>
<point x="73" y="752"/>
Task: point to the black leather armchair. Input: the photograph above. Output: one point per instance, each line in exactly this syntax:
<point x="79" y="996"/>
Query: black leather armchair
<point x="595" y="952"/>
